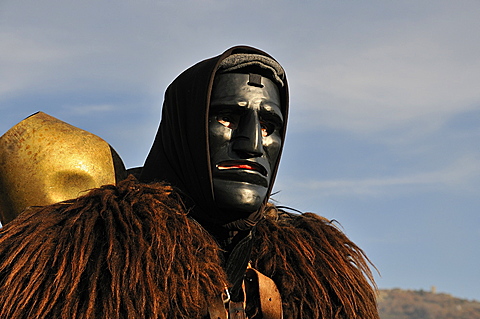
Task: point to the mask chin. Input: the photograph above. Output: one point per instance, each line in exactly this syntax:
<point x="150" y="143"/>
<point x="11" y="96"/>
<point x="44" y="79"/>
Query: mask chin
<point x="240" y="199"/>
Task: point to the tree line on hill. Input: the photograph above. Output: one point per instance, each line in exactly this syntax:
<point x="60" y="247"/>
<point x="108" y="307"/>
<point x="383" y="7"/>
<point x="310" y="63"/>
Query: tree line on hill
<point x="420" y="304"/>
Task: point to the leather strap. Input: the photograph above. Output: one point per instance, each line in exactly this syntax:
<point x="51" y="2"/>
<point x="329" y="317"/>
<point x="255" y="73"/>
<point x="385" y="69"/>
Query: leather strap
<point x="266" y="299"/>
<point x="216" y="309"/>
<point x="236" y="310"/>
<point x="236" y="264"/>
<point x="270" y="299"/>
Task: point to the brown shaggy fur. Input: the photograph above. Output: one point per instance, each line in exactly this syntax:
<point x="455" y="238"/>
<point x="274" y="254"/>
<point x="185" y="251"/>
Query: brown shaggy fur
<point x="118" y="252"/>
<point x="131" y="252"/>
<point x="320" y="273"/>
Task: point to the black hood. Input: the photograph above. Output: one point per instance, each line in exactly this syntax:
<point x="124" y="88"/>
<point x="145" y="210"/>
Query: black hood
<point x="180" y="152"/>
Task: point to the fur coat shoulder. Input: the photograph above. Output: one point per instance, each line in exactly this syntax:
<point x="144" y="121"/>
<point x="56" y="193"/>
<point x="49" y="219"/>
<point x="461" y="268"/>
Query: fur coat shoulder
<point x="131" y="251"/>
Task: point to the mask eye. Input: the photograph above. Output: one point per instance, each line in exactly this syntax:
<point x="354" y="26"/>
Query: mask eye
<point x="267" y="128"/>
<point x="227" y="121"/>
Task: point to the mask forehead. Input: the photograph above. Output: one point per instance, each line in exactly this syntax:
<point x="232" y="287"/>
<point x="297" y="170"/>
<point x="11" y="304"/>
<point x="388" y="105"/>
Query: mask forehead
<point x="235" y="89"/>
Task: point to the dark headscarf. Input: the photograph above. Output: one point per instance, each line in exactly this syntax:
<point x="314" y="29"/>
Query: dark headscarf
<point x="180" y="152"/>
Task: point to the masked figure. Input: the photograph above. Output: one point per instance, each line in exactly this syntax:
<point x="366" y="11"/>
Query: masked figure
<point x="196" y="237"/>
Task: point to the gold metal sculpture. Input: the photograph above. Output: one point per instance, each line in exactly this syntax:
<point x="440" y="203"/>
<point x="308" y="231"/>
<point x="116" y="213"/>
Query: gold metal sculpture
<point x="44" y="160"/>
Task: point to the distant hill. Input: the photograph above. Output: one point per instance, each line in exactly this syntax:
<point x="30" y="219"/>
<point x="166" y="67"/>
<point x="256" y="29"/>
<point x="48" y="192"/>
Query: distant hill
<point x="408" y="304"/>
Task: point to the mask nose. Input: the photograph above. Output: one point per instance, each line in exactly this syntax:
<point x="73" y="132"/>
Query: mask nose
<point x="247" y="138"/>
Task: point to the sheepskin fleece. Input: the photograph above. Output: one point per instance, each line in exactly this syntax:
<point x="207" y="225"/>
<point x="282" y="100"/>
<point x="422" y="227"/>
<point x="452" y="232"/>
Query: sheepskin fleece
<point x="131" y="251"/>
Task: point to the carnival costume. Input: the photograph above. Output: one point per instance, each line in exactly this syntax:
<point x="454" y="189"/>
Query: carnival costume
<point x="159" y="248"/>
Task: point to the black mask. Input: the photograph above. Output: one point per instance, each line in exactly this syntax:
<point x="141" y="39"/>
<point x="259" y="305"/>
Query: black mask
<point x="180" y="153"/>
<point x="245" y="124"/>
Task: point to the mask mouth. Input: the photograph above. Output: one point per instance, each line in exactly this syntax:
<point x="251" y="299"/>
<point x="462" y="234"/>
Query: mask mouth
<point x="242" y="165"/>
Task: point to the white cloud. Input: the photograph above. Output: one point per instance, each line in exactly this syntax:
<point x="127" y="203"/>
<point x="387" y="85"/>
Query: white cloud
<point x="459" y="176"/>
<point x="416" y="75"/>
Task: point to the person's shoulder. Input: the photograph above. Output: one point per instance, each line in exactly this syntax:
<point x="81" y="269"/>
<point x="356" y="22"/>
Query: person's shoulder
<point x="121" y="240"/>
<point x="318" y="270"/>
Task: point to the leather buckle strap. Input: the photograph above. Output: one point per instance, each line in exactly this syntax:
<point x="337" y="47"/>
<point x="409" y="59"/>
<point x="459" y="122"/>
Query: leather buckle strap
<point x="265" y="294"/>
<point x="236" y="310"/>
<point x="268" y="294"/>
<point x="217" y="310"/>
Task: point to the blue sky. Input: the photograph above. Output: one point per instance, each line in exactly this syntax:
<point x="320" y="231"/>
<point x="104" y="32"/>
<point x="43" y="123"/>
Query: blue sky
<point x="384" y="131"/>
